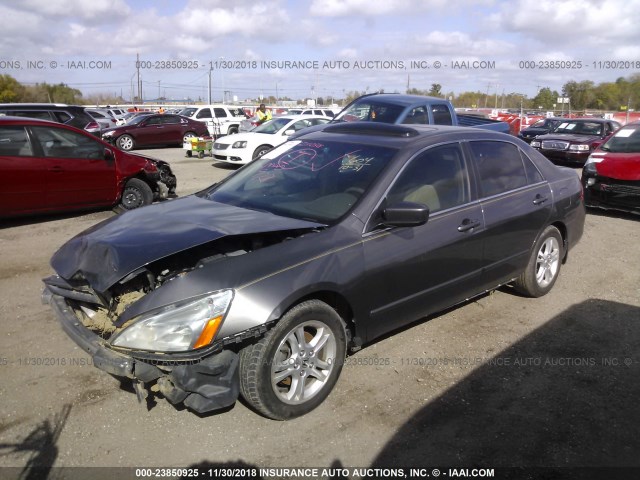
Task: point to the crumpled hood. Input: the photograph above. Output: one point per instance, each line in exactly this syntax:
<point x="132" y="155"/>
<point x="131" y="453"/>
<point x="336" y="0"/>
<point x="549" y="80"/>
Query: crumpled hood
<point x="112" y="249"/>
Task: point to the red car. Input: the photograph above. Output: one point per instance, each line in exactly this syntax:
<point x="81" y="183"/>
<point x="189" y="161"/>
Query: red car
<point x="51" y="167"/>
<point x="611" y="175"/>
<point x="154" y="130"/>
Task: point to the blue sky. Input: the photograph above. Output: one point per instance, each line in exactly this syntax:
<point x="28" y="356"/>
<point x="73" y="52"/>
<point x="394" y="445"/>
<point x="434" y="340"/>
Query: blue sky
<point x="509" y="42"/>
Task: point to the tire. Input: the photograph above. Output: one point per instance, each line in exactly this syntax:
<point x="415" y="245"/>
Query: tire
<point x="283" y="381"/>
<point x="261" y="150"/>
<point x="136" y="194"/>
<point x="232" y="130"/>
<point x="125" y="142"/>
<point x="187" y="136"/>
<point x="544" y="265"/>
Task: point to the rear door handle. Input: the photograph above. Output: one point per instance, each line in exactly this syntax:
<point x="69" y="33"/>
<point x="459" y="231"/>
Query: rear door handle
<point x="539" y="200"/>
<point x="56" y="169"/>
<point x="468" y="224"/>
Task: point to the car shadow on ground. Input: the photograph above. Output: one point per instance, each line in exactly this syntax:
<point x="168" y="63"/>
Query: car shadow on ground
<point x="563" y="396"/>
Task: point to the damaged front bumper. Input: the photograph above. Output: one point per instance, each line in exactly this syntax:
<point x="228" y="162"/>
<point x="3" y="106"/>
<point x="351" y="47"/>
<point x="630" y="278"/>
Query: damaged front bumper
<point x="204" y="382"/>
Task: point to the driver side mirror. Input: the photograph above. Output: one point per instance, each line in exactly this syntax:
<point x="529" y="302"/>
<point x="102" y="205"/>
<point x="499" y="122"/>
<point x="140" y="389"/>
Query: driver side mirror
<point x="405" y="214"/>
<point x="289" y="132"/>
<point x="108" y="155"/>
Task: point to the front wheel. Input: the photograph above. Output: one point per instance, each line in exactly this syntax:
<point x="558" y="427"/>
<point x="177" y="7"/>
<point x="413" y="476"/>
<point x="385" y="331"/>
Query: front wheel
<point x="125" y="142"/>
<point x="136" y="194"/>
<point x="293" y="368"/>
<point x="260" y="151"/>
<point x="544" y="265"/>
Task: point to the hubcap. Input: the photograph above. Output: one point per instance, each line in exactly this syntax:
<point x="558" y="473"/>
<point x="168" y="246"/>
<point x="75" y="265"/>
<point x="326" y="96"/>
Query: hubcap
<point x="548" y="262"/>
<point x="303" y="362"/>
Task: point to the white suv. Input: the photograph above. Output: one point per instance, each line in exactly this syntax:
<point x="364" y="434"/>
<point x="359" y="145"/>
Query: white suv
<point x="220" y="119"/>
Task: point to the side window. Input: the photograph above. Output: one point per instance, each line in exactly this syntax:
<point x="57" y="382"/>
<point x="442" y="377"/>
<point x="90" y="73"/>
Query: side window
<point x="441" y="114"/>
<point x="500" y="167"/>
<point x="417" y="115"/>
<point x="153" y="121"/>
<point x="62" y="117"/>
<point x="169" y="119"/>
<point x="42" y="115"/>
<point x="219" y="112"/>
<point x="436" y="178"/>
<point x="533" y="175"/>
<point x="62" y="143"/>
<point x="204" y="113"/>
<point x="14" y="142"/>
<point x="300" y="124"/>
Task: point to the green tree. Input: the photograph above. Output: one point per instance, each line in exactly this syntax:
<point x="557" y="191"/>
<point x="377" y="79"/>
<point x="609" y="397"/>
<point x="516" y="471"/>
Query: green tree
<point x="10" y="89"/>
<point x="545" y="99"/>
<point x="436" y="90"/>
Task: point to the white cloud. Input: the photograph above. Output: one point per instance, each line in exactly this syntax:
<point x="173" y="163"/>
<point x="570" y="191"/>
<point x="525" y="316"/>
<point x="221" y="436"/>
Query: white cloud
<point x="341" y="8"/>
<point x="101" y="11"/>
<point x="570" y="22"/>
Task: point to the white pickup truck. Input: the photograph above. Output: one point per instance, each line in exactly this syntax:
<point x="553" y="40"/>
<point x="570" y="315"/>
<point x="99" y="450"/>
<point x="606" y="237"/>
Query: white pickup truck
<point x="220" y="119"/>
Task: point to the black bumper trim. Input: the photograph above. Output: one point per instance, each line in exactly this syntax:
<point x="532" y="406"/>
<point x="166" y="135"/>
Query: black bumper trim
<point x="204" y="384"/>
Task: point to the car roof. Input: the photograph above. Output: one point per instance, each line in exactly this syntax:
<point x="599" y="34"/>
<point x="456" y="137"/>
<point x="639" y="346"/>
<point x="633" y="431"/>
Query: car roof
<point x="399" y="136"/>
<point x="39" y="105"/>
<point x="400" y="99"/>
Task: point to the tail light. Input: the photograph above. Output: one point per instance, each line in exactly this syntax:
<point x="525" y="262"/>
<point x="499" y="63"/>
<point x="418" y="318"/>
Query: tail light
<point x="92" y="126"/>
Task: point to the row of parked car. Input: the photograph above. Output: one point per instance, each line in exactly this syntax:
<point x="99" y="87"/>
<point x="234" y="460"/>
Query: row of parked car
<point x="575" y="141"/>
<point x="608" y="152"/>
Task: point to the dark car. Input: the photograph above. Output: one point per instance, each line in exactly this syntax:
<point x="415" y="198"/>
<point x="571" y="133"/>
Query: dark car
<point x="73" y="115"/>
<point x="49" y="167"/>
<point x="611" y="175"/>
<point x="154" y="130"/>
<point x="574" y="139"/>
<point x="541" y="127"/>
<point x="260" y="284"/>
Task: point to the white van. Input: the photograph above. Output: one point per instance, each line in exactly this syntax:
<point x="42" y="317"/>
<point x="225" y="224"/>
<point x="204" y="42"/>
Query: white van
<point x="220" y="119"/>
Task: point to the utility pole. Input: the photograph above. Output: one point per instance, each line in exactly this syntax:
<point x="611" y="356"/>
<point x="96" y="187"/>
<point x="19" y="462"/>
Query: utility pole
<point x="138" y="73"/>
<point x="210" y="70"/>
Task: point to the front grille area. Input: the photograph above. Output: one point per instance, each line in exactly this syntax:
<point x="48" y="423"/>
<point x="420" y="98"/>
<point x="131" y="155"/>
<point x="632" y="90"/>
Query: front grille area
<point x="555" y="145"/>
<point x="617" y="188"/>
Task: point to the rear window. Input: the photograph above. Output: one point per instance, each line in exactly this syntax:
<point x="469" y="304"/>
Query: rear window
<point x="626" y="140"/>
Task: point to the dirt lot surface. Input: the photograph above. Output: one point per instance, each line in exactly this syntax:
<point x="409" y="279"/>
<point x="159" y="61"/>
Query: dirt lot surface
<point x="500" y="381"/>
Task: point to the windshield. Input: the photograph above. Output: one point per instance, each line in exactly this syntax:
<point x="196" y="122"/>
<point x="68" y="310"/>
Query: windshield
<point x="580" y="128"/>
<point x="626" y="140"/>
<point x="272" y="126"/>
<point x="187" y="112"/>
<point x="313" y="181"/>
<point x="371" y="111"/>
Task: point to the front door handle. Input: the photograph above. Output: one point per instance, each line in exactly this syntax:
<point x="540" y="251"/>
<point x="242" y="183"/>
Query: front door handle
<point x="468" y="224"/>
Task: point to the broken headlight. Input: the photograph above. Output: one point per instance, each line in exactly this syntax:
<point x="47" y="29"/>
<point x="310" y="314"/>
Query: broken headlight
<point x="181" y="326"/>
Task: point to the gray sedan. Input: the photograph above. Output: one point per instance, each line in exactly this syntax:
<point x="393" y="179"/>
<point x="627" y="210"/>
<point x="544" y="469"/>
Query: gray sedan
<point x="261" y="285"/>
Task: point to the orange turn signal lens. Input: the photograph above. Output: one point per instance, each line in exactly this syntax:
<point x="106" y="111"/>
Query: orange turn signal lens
<point x="208" y="332"/>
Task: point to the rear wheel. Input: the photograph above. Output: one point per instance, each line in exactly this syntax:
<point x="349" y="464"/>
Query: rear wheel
<point x="291" y="370"/>
<point x="187" y="136"/>
<point x="125" y="142"/>
<point x="136" y="194"/>
<point x="544" y="265"/>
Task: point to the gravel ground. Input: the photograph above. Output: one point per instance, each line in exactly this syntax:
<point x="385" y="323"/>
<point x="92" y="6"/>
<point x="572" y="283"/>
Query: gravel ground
<point x="500" y="381"/>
